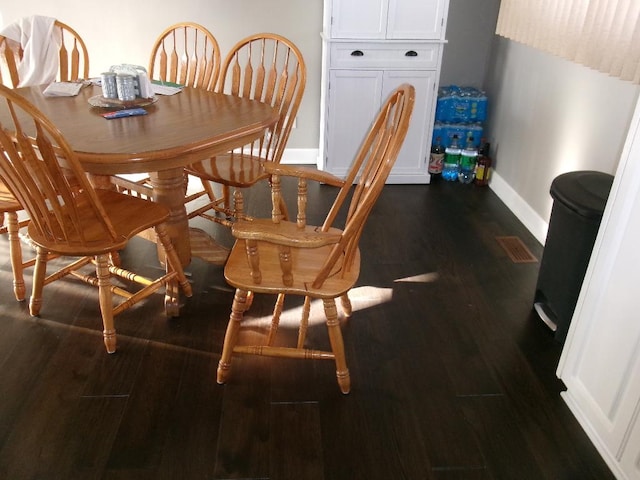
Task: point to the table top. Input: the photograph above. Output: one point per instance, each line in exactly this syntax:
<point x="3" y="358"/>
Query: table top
<point x="178" y="130"/>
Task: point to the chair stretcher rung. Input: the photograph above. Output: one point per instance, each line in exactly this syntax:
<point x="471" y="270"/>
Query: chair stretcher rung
<point x="284" y="352"/>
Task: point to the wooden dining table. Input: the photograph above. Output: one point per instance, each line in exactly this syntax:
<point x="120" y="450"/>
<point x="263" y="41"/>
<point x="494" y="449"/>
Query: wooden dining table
<point x="177" y="130"/>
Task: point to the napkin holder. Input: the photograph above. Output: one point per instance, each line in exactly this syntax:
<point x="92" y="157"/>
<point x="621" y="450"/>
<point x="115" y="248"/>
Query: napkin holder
<point x="140" y="77"/>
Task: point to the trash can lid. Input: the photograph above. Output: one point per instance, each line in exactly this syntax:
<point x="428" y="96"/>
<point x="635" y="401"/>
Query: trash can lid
<point x="584" y="192"/>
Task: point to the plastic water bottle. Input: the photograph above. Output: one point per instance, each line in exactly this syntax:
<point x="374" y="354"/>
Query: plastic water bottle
<point x="468" y="157"/>
<point x="451" y="161"/>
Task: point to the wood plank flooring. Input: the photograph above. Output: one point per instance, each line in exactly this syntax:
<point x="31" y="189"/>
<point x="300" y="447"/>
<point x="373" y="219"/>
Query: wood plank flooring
<point x="453" y="375"/>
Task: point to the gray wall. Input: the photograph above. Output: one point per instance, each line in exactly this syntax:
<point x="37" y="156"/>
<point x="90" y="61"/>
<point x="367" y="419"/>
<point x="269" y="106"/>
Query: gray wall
<point x="470" y="31"/>
<point x="123" y="31"/>
<point x="546" y="115"/>
<point x="550" y="116"/>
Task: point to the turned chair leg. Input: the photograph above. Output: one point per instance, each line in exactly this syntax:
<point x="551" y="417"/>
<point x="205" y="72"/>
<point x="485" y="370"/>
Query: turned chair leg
<point x="346" y="305"/>
<point x="15" y="252"/>
<point x="206" y="186"/>
<point x="337" y="345"/>
<point x="275" y="319"/>
<point x="304" y="322"/>
<point x="106" y="302"/>
<point x="226" y="197"/>
<point x="231" y="335"/>
<point x="238" y="203"/>
<point x="39" y="273"/>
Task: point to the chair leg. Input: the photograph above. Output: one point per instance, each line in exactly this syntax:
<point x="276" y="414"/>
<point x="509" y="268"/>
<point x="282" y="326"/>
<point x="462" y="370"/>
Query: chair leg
<point x="115" y="259"/>
<point x="275" y="319"/>
<point x="249" y="301"/>
<point x="206" y="186"/>
<point x="346" y="305"/>
<point x="337" y="345"/>
<point x="238" y="203"/>
<point x="106" y="302"/>
<point x="39" y="273"/>
<point x="226" y="197"/>
<point x="15" y="252"/>
<point x="304" y="322"/>
<point x="231" y="335"/>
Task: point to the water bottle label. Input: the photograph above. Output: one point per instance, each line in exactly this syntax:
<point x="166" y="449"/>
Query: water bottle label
<point x="467" y="163"/>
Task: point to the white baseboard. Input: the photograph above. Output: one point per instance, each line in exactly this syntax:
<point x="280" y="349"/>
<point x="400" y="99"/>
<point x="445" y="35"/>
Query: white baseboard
<point x="521" y="209"/>
<point x="300" y="156"/>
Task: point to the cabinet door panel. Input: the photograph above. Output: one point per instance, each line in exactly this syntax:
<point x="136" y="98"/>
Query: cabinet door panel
<point x="411" y="165"/>
<point x="411" y="19"/>
<point x="354" y="100"/>
<point x="359" y="19"/>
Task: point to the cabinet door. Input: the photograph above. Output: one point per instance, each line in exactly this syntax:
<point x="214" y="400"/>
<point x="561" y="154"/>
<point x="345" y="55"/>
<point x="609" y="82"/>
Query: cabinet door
<point x="411" y="165"/>
<point x="354" y="101"/>
<point x="359" y="18"/>
<point x="416" y="19"/>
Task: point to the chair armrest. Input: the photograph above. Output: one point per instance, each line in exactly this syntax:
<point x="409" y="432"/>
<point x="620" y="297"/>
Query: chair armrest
<point x="302" y="172"/>
<point x="285" y="233"/>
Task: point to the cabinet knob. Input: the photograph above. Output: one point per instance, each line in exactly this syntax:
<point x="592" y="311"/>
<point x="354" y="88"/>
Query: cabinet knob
<point x="411" y="53"/>
<point x="357" y="53"/>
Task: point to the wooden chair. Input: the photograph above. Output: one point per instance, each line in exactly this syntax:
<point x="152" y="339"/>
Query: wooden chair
<point x="73" y="65"/>
<point x="187" y="54"/>
<point x="281" y="257"/>
<point x="73" y="59"/>
<point x="268" y="68"/>
<point x="67" y="216"/>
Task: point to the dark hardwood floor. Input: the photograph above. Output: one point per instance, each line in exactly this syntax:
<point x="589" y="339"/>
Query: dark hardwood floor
<point x="453" y="376"/>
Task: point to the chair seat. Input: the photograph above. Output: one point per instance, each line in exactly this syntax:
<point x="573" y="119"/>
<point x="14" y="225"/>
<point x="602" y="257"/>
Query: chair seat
<point x="307" y="261"/>
<point x="8" y="202"/>
<point x="128" y="215"/>
<point x="235" y="169"/>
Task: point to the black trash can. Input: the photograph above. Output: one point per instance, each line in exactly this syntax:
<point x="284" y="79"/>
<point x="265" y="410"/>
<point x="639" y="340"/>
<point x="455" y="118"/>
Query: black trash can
<point x="579" y="201"/>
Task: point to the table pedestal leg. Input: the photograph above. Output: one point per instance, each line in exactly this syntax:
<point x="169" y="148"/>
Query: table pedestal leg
<point x="168" y="189"/>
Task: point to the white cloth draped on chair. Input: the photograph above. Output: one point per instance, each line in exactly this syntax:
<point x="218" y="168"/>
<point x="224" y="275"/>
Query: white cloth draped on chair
<point x="40" y="42"/>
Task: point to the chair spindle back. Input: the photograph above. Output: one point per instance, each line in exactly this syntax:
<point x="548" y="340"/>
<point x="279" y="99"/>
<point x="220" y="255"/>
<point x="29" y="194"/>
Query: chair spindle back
<point x="73" y="57"/>
<point x="187" y="54"/>
<point x="369" y="172"/>
<point x="268" y="68"/>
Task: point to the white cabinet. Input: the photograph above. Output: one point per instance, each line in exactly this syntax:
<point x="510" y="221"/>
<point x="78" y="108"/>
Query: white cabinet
<point x="385" y="19"/>
<point x="369" y="48"/>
